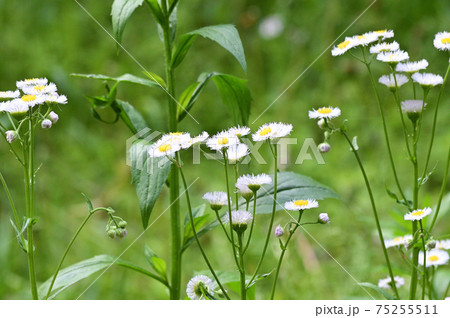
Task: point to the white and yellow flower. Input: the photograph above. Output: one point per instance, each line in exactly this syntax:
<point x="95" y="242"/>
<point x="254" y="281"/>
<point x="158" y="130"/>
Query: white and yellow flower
<point x="398" y="241"/>
<point x="14" y="107"/>
<point x="427" y="79"/>
<point x="8" y="95"/>
<point x="195" y="140"/>
<point x="221" y="141"/>
<point x="30" y="100"/>
<point x="443" y="244"/>
<point x="389" y="80"/>
<point x="55" y="98"/>
<point x="383" y="34"/>
<point x="413" y="106"/>
<point x="442" y="41"/>
<point x="31" y="82"/>
<point x="434" y="257"/>
<point x="297" y="205"/>
<point x="393" y="57"/>
<point x="386" y="283"/>
<point x="40" y="89"/>
<point x="418" y="214"/>
<point x="239" y="219"/>
<point x="412" y="67"/>
<point x="272" y="131"/>
<point x="253" y="182"/>
<point x="163" y="148"/>
<point x="197" y="285"/>
<point x="239" y="131"/>
<point x="236" y="152"/>
<point x="384" y="47"/>
<point x="343" y="47"/>
<point x="325" y="112"/>
<point x="365" y="39"/>
<point x="216" y="199"/>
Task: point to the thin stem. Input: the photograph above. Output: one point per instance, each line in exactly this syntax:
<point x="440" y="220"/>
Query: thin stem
<point x="374" y="210"/>
<point x="222" y="225"/>
<point x="253" y="222"/>
<point x="242" y="271"/>
<point x="236" y="175"/>
<point x="415" y="254"/>
<point x="424" y="276"/>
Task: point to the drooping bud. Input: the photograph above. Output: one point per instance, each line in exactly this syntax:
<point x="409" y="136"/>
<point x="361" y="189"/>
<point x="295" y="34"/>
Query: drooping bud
<point x="279" y="232"/>
<point x="111" y="233"/>
<point x="324" y="147"/>
<point x="46" y="124"/>
<point x="323" y="218"/>
<point x="11" y="136"/>
<point x="122" y="224"/>
<point x="322" y="124"/>
<point x="121" y="232"/>
<point x="53" y="117"/>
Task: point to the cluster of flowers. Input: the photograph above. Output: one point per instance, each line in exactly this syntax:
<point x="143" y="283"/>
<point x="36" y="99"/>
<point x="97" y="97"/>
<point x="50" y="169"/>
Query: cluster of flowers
<point x="29" y="94"/>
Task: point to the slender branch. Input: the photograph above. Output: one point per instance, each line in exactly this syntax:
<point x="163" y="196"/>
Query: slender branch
<point x="242" y="272"/>
<point x="424" y="276"/>
<point x="253" y="222"/>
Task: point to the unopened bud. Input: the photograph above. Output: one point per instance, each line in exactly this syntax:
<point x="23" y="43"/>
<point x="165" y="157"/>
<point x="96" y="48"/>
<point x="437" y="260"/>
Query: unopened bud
<point x="431" y="244"/>
<point x="11" y="136"/>
<point x="121" y="232"/>
<point x="111" y="233"/>
<point x="53" y="117"/>
<point x="322" y="124"/>
<point x="122" y="224"/>
<point x="279" y="231"/>
<point x="323" y="218"/>
<point x="324" y="147"/>
<point x="46" y="124"/>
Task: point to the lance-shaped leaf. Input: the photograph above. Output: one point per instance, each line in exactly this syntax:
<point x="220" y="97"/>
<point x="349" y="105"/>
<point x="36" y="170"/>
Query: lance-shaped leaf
<point x="156" y="10"/>
<point x="156" y="262"/>
<point x="148" y="175"/>
<point x="120" y="12"/>
<point x="130" y="116"/>
<point x="125" y="78"/>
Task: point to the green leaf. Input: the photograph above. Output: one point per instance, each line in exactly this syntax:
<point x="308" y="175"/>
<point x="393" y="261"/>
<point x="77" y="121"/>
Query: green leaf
<point x="291" y="186"/>
<point x="184" y="44"/>
<point x="74" y="273"/>
<point x="157" y="263"/>
<point x="190" y="95"/>
<point x="200" y="233"/>
<point x="88" y="201"/>
<point x="156" y="11"/>
<point x="384" y="293"/>
<point x="227" y="36"/>
<point x="125" y="78"/>
<point x="130" y="116"/>
<point x="149" y="176"/>
<point x="120" y="13"/>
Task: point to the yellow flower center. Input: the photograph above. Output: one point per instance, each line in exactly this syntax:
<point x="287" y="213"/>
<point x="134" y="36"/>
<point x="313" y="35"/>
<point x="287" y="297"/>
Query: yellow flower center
<point x="175" y="133"/>
<point x="344" y="44"/>
<point x="39" y="87"/>
<point x="417" y="213"/>
<point x="301" y="202"/>
<point x="164" y="148"/>
<point x="28" y="98"/>
<point x="380" y="32"/>
<point x="265" y="131"/>
<point x="397" y="239"/>
<point x="324" y="110"/>
<point x="222" y="141"/>
<point x="445" y="41"/>
<point x="31" y="79"/>
<point x="433" y="258"/>
<point x="361" y="37"/>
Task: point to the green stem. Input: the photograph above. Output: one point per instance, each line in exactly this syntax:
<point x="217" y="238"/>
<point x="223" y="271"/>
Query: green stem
<point x="424" y="276"/>
<point x="222" y="225"/>
<point x="253" y="222"/>
<point x="242" y="271"/>
<point x="375" y="213"/>
<point x="236" y="175"/>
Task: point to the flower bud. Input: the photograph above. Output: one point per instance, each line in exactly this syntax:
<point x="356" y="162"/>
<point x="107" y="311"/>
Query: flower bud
<point x="53" y="117"/>
<point x="323" y="218"/>
<point x="431" y="244"/>
<point x="247" y="195"/>
<point x="11" y="136"/>
<point x="46" y="124"/>
<point x="279" y="231"/>
<point x="111" y="233"/>
<point x="121" y="232"/>
<point x="324" y="147"/>
<point x="322" y="124"/>
<point x="122" y="224"/>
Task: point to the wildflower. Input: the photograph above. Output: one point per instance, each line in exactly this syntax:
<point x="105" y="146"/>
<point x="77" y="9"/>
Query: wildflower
<point x="31" y="82"/>
<point x="46" y="124"/>
<point x="417" y="214"/>
<point x="245" y="191"/>
<point x="163" y="147"/>
<point x="427" y="79"/>
<point x="442" y="41"/>
<point x="216" y="199"/>
<point x="53" y="117"/>
<point x="11" y="136"/>
<point x="197" y="287"/>
<point x="279" y="232"/>
<point x="253" y="182"/>
<point x="324" y="147"/>
<point x="365" y="39"/>
<point x="40" y="89"/>
<point x="239" y="131"/>
<point x="325" y="112"/>
<point x="413" y="108"/>
<point x="435" y="257"/>
<point x="30" y="100"/>
<point x="54" y="99"/>
<point x="343" y="47"/>
<point x="121" y="232"/>
<point x="383" y="34"/>
<point x="239" y="220"/>
<point x="297" y="205"/>
<point x="272" y="131"/>
<point x="15" y="107"/>
<point x="384" y="47"/>
<point x="323" y="218"/>
<point x="412" y="67"/>
<point x="387" y="282"/>
<point x="271" y="27"/>
<point x="7" y="95"/>
<point x="195" y="140"/>
<point x="443" y="245"/>
<point x="398" y="241"/>
<point x="393" y="57"/>
<point x="221" y="141"/>
<point x="176" y="138"/>
<point x="236" y="152"/>
<point x="389" y="80"/>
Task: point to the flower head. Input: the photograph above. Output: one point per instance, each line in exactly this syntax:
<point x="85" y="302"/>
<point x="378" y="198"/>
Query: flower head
<point x="239" y="220"/>
<point x="384" y="47"/>
<point x="387" y="282"/>
<point x="325" y="112"/>
<point x="236" y="152"/>
<point x="413" y="106"/>
<point x="8" y="95"/>
<point x="216" y="199"/>
<point x="442" y="41"/>
<point x="31" y="82"/>
<point x="55" y="98"/>
<point x="53" y="117"/>
<point x="40" y="89"/>
<point x="427" y="79"/>
<point x="343" y="47"/>
<point x="435" y="257"/>
<point x="221" y="141"/>
<point x="365" y="39"/>
<point x="244" y="190"/>
<point x="393" y="57"/>
<point x="398" y="241"/>
<point x="197" y="287"/>
<point x="297" y="205"/>
<point x="417" y="214"/>
<point x="389" y="80"/>
<point x="46" y="124"/>
<point x="15" y="107"/>
<point x="272" y="131"/>
<point x="383" y="34"/>
<point x="279" y="232"/>
<point x="443" y="244"/>
<point x="324" y="218"/>
<point x="31" y="100"/>
<point x="412" y="67"/>
<point x="239" y="131"/>
<point x="253" y="182"/>
<point x="163" y="147"/>
<point x="195" y="140"/>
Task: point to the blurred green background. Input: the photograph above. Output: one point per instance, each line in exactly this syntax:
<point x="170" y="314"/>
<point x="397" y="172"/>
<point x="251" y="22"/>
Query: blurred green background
<point x="79" y="154"/>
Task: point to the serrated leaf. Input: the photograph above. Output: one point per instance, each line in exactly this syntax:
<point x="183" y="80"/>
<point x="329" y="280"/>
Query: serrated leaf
<point x="148" y="175"/>
<point x="121" y="11"/>
<point x="157" y="263"/>
<point x="381" y="291"/>
<point x="125" y="78"/>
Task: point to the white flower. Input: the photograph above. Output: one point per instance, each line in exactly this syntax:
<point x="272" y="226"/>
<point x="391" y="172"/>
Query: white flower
<point x="31" y="100"/>
<point x="417" y="214"/>
<point x="55" y="98"/>
<point x="163" y="147"/>
<point x="435" y="257"/>
<point x="253" y="182"/>
<point x="387" y="282"/>
<point x="40" y="89"/>
<point x="238" y="218"/>
<point x="53" y="117"/>
<point x="176" y="138"/>
<point x="236" y="152"/>
<point x="297" y="205"/>
<point x="221" y="141"/>
<point x="412" y="67"/>
<point x="325" y="112"/>
<point x="427" y="79"/>
<point x="197" y="284"/>
<point x="46" y="124"/>
<point x="383" y="34"/>
<point x="216" y="199"/>
<point x="393" y="57"/>
<point x="11" y="136"/>
<point x="4" y="105"/>
<point x="443" y="245"/>
<point x="398" y="241"/>
<point x="365" y="39"/>
<point x="271" y="27"/>
<point x="442" y="41"/>
<point x="389" y="80"/>
<point x="31" y="82"/>
<point x="413" y="106"/>
<point x="195" y="140"/>
<point x="343" y="47"/>
<point x="239" y="131"/>
<point x="324" y="218"/>
<point x="384" y="47"/>
<point x="244" y="190"/>
<point x="6" y="95"/>
<point x="15" y="107"/>
<point x="272" y="131"/>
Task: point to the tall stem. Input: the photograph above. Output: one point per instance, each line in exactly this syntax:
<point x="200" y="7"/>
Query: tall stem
<point x="253" y="222"/>
<point x="242" y="271"/>
<point x="374" y="210"/>
<point x="424" y="277"/>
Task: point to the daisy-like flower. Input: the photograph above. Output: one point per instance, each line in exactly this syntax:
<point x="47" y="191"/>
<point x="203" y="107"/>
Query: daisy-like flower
<point x="163" y="147"/>
<point x="412" y="67"/>
<point x="55" y="98"/>
<point x="245" y="191"/>
<point x="198" y="285"/>
<point x="393" y="57"/>
<point x="417" y="214"/>
<point x="176" y="138"/>
<point x="413" y="106"/>
<point x="383" y="34"/>
<point x="222" y="141"/>
<point x="216" y="199"/>
<point x="239" y="220"/>
<point x="398" y="241"/>
<point x="30" y="100"/>
<point x="384" y="47"/>
<point x="195" y="140"/>
<point x="8" y="95"/>
<point x="343" y="47"/>
<point x="297" y="205"/>
<point x="4" y="105"/>
<point x="386" y="283"/>
<point x="427" y="79"/>
<point x="443" y="245"/>
<point x="389" y="80"/>
<point x="442" y="41"/>
<point x="236" y="152"/>
<point x="40" y="89"/>
<point x="14" y="107"/>
<point x="253" y="182"/>
<point x="365" y="39"/>
<point x="325" y="112"/>
<point x="435" y="257"/>
<point x="31" y="82"/>
<point x="239" y="131"/>
<point x="272" y="131"/>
